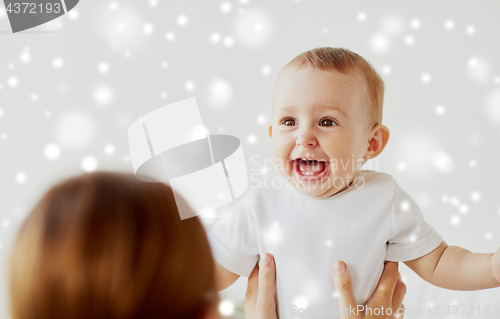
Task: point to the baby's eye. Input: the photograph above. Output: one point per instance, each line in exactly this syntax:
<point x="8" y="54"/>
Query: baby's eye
<point x="285" y="121"/>
<point x="327" y="122"/>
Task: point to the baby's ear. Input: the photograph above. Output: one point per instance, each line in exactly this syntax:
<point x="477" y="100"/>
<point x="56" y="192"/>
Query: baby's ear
<point x="270" y="131"/>
<point x="379" y="136"/>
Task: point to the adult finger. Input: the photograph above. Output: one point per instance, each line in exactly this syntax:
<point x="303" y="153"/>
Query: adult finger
<point x="399" y="294"/>
<point x="253" y="285"/>
<point x="387" y="283"/>
<point x="252" y="311"/>
<point x="267" y="278"/>
<point x="343" y="285"/>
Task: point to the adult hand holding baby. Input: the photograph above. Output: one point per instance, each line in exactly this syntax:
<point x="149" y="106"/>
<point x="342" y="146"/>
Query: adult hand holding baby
<point x="260" y="300"/>
<point x="386" y="302"/>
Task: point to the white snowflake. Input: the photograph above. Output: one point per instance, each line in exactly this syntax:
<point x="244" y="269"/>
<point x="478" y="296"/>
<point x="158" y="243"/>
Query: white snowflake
<point x="215" y="37"/>
<point x="405" y="205"/>
<point x="73" y="14"/>
<point x="379" y="43"/>
<point x="463" y="208"/>
<point x="226" y="7"/>
<point x="228" y="41"/>
<point x="361" y="16"/>
<point x="109" y="149"/>
<point x="392" y="25"/>
<point x="415" y="23"/>
<point x="74" y="129"/>
<point x="440" y="109"/>
<point x="58" y="62"/>
<point x="113" y="5"/>
<point x="220" y="92"/>
<point x="226" y="307"/>
<point x="182" y="20"/>
<point x="301" y="302"/>
<point x="449" y="24"/>
<point x="189" y="86"/>
<point x="103" y="67"/>
<point x="13" y="81"/>
<point x="148" y="28"/>
<point x="455" y="220"/>
<point x="103" y="95"/>
<point x="443" y="162"/>
<point x="170" y="36"/>
<point x="261" y="119"/>
<point x="89" y="164"/>
<point x="253" y="28"/>
<point x="251" y="139"/>
<point x="401" y="166"/>
<point x="409" y="40"/>
<point x="475" y="196"/>
<point x="266" y="70"/>
<point x="425" y="78"/>
<point x="25" y="57"/>
<point x="52" y="151"/>
<point x="21" y="177"/>
<point x="479" y="70"/>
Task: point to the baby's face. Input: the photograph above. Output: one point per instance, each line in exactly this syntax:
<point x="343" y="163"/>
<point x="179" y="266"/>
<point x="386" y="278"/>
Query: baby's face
<point x="319" y="115"/>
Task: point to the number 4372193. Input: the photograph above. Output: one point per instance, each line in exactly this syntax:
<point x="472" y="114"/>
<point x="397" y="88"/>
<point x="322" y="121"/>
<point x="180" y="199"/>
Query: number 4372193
<point x="26" y="7"/>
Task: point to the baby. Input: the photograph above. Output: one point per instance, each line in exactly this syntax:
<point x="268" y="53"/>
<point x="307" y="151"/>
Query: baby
<point x="326" y="122"/>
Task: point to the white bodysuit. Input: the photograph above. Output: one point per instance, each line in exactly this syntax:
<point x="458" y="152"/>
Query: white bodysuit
<point x="372" y="221"/>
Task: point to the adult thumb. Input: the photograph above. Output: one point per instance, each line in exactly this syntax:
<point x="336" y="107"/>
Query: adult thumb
<point x="343" y="286"/>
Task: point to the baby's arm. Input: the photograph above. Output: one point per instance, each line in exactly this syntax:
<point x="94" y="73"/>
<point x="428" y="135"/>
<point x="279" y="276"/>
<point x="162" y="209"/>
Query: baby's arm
<point x="456" y="268"/>
<point x="223" y="277"/>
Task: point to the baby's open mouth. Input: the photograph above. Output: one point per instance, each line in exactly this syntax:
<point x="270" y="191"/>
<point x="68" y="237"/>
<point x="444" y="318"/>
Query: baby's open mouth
<point x="306" y="167"/>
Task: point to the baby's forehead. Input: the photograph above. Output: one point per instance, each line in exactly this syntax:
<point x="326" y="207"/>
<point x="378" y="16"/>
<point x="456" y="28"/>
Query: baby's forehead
<point x="319" y="85"/>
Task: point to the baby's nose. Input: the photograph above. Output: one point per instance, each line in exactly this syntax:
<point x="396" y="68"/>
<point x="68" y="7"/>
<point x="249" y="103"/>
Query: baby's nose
<point x="306" y="139"/>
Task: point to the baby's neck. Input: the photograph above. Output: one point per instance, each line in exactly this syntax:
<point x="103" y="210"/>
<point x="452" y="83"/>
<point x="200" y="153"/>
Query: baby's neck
<point x="348" y="186"/>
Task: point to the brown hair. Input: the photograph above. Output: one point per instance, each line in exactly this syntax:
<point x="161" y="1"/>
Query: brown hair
<point x="106" y="245"/>
<point x="346" y="61"/>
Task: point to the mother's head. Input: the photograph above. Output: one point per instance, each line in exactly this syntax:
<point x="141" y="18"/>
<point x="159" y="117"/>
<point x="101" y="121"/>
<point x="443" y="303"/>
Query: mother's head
<point x="105" y="245"/>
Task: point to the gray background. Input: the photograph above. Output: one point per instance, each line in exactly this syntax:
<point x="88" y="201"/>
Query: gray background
<point x="70" y="89"/>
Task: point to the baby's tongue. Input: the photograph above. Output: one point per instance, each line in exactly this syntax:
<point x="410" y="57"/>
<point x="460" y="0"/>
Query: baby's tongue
<point x="313" y="166"/>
